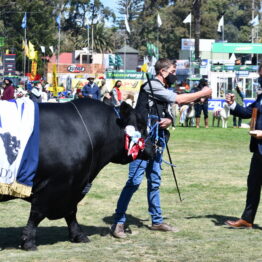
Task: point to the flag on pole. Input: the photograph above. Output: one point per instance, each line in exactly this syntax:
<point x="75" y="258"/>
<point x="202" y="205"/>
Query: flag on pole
<point x="31" y="51"/>
<point x="220" y="24"/>
<point x="42" y="49"/>
<point x="24" y="22"/>
<point x="144" y="68"/>
<point x="127" y="25"/>
<point x="159" y="21"/>
<point x="86" y="24"/>
<point x="58" y="21"/>
<point x="25" y="47"/>
<point x="34" y="69"/>
<point x="52" y="49"/>
<point x="255" y="21"/>
<point x="55" y="82"/>
<point x="188" y="19"/>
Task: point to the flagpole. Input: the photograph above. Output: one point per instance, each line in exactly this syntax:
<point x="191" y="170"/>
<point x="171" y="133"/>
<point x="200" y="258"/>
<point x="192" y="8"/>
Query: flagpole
<point x="223" y="33"/>
<point x="253" y="17"/>
<point x="44" y="64"/>
<point x="25" y="52"/>
<point x="58" y="51"/>
<point x="158" y="44"/>
<point x="92" y="32"/>
<point x="88" y="38"/>
<point x="190" y="49"/>
<point x="125" y="55"/>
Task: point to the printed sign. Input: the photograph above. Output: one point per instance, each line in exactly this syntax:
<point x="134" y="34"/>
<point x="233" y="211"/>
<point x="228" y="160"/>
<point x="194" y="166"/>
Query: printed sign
<point x="219" y="103"/>
<point x="75" y="69"/>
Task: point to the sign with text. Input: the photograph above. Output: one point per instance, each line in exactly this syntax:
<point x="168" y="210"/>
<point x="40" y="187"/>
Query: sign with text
<point x="219" y="103"/>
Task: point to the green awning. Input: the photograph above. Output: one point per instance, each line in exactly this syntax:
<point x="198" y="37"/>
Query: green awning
<point x="237" y="48"/>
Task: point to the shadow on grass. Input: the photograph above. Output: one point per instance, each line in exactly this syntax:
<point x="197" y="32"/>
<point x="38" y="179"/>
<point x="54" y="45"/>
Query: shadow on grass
<point x="219" y="220"/>
<point x="10" y="236"/>
<point x="130" y="220"/>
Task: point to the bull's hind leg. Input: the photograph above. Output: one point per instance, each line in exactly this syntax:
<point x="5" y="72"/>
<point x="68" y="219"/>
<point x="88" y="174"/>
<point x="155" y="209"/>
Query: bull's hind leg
<point x="29" y="232"/>
<point x="75" y="232"/>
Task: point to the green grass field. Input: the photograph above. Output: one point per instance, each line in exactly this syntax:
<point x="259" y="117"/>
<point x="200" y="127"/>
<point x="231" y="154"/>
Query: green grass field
<point x="212" y="166"/>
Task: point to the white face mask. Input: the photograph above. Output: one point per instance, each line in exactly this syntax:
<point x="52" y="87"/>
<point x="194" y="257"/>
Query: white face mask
<point x="259" y="91"/>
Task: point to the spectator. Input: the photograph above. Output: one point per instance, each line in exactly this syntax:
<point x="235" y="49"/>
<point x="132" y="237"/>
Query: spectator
<point x="91" y="89"/>
<point x="9" y="90"/>
<point x="20" y="92"/>
<point x="116" y="93"/>
<point x="35" y="94"/>
<point x="201" y="104"/>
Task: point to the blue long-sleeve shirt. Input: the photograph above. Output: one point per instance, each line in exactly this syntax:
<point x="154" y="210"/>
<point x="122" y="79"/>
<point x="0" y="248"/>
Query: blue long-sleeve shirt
<point x="246" y="112"/>
<point x="91" y="90"/>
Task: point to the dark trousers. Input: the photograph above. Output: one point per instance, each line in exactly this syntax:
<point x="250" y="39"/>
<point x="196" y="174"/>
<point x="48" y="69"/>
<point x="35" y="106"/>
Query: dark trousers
<point x="235" y="121"/>
<point x="201" y="107"/>
<point x="254" y="182"/>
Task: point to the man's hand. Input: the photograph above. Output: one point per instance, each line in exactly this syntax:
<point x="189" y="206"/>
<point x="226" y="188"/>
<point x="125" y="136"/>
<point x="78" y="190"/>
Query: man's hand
<point x="202" y="99"/>
<point x="230" y="98"/>
<point x="165" y="122"/>
<point x="206" y="91"/>
<point x="256" y="134"/>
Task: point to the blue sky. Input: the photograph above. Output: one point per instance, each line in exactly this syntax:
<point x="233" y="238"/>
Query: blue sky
<point x="110" y="3"/>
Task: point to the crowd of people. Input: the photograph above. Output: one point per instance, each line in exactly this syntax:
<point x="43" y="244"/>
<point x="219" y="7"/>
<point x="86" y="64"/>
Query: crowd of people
<point x="37" y="91"/>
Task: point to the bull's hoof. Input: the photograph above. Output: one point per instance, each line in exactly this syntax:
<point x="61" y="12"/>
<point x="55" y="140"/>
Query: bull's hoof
<point x="28" y="246"/>
<point x="81" y="238"/>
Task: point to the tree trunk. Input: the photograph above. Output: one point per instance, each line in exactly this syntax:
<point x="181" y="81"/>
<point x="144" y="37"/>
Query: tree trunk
<point x="197" y="18"/>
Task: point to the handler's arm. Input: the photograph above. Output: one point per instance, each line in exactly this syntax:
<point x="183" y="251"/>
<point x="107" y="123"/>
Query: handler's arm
<point x="191" y="97"/>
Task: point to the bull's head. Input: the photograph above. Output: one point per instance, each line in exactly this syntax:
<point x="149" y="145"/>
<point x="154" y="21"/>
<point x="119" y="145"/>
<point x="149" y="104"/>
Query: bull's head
<point x="136" y="143"/>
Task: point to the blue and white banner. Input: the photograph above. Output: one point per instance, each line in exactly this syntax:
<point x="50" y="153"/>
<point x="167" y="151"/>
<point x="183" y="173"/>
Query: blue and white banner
<point x="219" y="102"/>
<point x="19" y="139"/>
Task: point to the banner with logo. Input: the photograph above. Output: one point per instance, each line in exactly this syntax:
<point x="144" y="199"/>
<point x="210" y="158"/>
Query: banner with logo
<point x="131" y="81"/>
<point x="219" y="103"/>
<point x="55" y="84"/>
<point x="33" y="68"/>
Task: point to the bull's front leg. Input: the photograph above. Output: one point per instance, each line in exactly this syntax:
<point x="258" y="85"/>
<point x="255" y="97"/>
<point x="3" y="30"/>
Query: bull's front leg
<point x="29" y="232"/>
<point x="75" y="232"/>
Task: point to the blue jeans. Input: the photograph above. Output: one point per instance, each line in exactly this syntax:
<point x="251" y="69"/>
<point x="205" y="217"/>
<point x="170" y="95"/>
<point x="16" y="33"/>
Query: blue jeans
<point x="137" y="169"/>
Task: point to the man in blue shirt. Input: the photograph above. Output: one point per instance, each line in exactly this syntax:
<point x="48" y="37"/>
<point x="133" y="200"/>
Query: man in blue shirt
<point x="254" y="180"/>
<point x="164" y="98"/>
<point x="91" y="89"/>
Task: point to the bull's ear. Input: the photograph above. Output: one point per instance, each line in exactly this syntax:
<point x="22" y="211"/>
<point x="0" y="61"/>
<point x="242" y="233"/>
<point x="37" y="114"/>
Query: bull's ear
<point x="125" y="110"/>
<point x="127" y="114"/>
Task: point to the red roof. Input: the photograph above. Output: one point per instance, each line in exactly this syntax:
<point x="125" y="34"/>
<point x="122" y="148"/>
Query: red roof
<point x="64" y="58"/>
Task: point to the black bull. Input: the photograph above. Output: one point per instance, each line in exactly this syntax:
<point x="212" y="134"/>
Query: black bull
<point x="77" y="139"/>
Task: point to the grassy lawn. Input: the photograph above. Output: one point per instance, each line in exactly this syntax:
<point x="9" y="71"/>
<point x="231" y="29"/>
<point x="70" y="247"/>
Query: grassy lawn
<point x="212" y="166"/>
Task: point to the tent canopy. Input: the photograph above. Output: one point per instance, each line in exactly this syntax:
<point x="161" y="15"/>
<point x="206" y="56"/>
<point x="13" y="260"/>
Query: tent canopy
<point x="237" y="48"/>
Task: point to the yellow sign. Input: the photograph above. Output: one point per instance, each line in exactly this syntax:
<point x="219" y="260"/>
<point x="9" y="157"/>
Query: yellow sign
<point x="55" y="84"/>
<point x="32" y="54"/>
<point x="132" y="85"/>
<point x="33" y="68"/>
<point x="58" y="88"/>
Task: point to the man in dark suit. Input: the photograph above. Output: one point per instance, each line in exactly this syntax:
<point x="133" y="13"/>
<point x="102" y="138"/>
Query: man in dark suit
<point x="254" y="180"/>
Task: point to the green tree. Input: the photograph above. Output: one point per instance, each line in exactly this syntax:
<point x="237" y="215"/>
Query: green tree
<point x="80" y="13"/>
<point x="40" y="25"/>
<point x="237" y="15"/>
